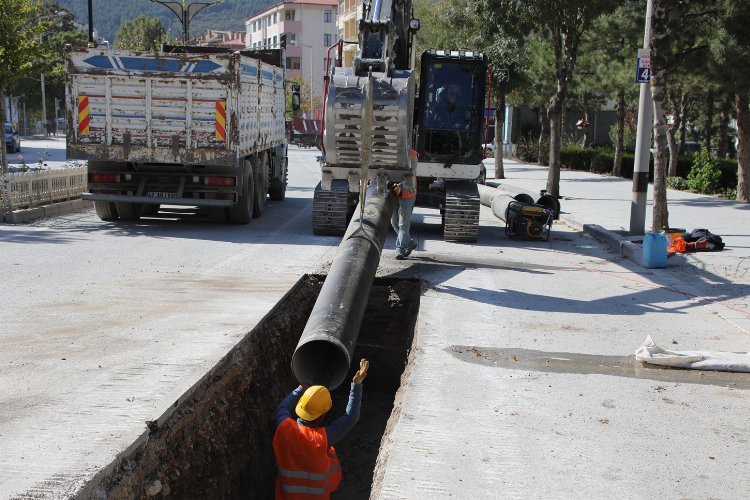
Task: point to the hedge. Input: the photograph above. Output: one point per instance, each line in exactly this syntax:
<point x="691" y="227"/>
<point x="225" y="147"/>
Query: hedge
<point x="600" y="161"/>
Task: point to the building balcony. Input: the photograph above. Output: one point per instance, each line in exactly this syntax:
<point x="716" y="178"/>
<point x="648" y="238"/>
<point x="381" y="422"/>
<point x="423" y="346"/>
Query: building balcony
<point x="290" y="27"/>
<point x="293" y="50"/>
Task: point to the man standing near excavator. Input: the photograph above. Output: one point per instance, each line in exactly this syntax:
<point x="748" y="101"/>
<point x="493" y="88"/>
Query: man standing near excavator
<point x="406" y="191"/>
<point x="306" y="459"/>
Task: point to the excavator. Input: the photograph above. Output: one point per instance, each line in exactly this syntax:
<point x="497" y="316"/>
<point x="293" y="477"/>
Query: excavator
<point x="376" y="113"/>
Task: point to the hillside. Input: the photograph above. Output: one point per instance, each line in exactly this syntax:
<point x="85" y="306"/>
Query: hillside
<point x="110" y="14"/>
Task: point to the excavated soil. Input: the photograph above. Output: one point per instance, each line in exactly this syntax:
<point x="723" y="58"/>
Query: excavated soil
<point x="215" y="441"/>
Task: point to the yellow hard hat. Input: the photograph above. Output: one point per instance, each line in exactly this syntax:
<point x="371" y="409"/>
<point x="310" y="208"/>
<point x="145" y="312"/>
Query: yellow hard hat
<point x="315" y="402"/>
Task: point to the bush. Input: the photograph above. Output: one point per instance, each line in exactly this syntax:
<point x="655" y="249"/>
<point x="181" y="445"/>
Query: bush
<point x="576" y="157"/>
<point x="677" y="183"/>
<point x="527" y="149"/>
<point x="705" y="176"/>
<point x="603" y="161"/>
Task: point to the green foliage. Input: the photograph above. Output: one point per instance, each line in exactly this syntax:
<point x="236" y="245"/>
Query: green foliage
<point x="527" y="148"/>
<point x="576" y="157"/>
<point x="705" y="176"/>
<point x="679" y="183"/>
<point x="20" y="47"/>
<point x="142" y="33"/>
<point x="628" y="137"/>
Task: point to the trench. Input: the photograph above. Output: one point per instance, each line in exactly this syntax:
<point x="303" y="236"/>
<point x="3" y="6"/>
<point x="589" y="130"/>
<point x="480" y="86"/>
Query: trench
<point x="215" y="440"/>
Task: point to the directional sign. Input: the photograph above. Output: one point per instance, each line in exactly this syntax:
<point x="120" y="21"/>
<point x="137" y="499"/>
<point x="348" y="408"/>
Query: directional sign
<point x="643" y="66"/>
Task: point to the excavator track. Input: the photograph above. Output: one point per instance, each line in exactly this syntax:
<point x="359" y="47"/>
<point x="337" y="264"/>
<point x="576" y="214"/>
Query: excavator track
<point x="461" y="212"/>
<point x="331" y="208"/>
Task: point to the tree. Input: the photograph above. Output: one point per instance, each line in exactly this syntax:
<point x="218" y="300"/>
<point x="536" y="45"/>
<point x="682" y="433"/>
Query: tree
<point x="615" y="38"/>
<point x="19" y="47"/>
<point x="731" y="51"/>
<point x="142" y="33"/>
<point x="563" y="22"/>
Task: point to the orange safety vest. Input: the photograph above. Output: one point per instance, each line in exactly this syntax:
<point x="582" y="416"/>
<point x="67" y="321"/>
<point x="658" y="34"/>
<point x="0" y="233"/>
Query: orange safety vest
<point x="308" y="467"/>
<point x="409" y="187"/>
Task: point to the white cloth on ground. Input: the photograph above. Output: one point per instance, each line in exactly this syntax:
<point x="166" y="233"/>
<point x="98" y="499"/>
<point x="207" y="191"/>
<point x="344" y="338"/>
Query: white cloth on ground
<point x="650" y="353"/>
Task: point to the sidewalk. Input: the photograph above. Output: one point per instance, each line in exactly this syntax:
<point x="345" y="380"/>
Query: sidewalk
<point x="720" y="278"/>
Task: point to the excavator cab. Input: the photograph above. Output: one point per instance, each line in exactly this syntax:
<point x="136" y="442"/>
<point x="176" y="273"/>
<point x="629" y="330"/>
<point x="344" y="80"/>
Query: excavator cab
<point x="451" y="95"/>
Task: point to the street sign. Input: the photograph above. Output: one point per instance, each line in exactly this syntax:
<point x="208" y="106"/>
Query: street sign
<point x="643" y="66"/>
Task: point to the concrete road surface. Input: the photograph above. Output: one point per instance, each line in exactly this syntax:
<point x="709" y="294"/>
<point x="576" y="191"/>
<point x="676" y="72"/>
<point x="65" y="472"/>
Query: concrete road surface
<point x="521" y="381"/>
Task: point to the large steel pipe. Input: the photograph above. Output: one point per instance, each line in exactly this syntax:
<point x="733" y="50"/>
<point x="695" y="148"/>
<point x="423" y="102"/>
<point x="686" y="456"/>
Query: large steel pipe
<point x="498" y="200"/>
<point x="324" y="352"/>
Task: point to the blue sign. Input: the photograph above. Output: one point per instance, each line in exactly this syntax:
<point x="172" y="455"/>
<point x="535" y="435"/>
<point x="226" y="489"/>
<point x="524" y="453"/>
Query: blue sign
<point x="642" y="75"/>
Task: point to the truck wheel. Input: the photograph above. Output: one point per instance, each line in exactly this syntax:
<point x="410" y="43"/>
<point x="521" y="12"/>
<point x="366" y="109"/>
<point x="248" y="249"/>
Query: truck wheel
<point x="277" y="190"/>
<point x="105" y="210"/>
<point x="129" y="211"/>
<point x="261" y="186"/>
<point x="242" y="212"/>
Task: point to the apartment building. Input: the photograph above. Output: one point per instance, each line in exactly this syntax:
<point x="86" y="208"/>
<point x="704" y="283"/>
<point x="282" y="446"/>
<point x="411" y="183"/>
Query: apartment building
<point x="310" y="28"/>
<point x="350" y="12"/>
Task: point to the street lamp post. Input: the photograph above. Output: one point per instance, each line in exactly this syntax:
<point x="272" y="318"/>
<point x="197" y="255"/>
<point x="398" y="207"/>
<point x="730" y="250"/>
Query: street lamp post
<point x="185" y="12"/>
<point x="311" y="73"/>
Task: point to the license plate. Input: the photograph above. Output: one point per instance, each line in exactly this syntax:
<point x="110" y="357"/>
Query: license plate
<point x="158" y="194"/>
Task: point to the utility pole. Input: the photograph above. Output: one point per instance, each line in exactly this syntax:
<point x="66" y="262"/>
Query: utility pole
<point x="642" y="143"/>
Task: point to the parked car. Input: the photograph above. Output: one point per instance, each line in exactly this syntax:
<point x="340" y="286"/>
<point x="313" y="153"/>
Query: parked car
<point x="12" y="140"/>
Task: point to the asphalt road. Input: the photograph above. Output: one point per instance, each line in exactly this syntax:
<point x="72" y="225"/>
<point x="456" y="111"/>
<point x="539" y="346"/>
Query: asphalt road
<point x="521" y="383"/>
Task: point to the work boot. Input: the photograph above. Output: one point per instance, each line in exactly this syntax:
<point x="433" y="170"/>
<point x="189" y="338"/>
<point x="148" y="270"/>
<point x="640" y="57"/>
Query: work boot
<point x="410" y="248"/>
<point x="400" y="255"/>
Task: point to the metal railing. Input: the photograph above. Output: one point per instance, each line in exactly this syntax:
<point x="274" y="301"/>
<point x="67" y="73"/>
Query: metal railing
<point x="33" y="189"/>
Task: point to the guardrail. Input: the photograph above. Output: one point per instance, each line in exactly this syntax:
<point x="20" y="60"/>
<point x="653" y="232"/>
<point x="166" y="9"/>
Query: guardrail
<point x="33" y="189"/>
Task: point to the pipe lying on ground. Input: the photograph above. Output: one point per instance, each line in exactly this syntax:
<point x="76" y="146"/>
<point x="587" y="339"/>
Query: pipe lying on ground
<point x="324" y="352"/>
<point x="498" y="200"/>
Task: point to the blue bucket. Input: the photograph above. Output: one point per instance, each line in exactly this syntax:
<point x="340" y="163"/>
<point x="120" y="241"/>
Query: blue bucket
<point x="654" y="250"/>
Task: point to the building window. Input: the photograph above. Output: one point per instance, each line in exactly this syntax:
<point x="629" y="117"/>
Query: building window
<point x="327" y="40"/>
<point x="292" y="63"/>
<point x="328" y="16"/>
<point x="275" y="17"/>
<point x="291" y="38"/>
<point x="289" y="15"/>
<point x="274" y="41"/>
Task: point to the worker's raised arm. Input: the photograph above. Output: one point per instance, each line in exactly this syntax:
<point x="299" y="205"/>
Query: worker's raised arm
<point x="342" y="425"/>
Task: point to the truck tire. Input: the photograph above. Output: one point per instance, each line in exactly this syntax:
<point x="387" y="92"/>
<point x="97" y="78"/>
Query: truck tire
<point x="261" y="186"/>
<point x="242" y="212"/>
<point x="129" y="211"/>
<point x="105" y="210"/>
<point x="277" y="189"/>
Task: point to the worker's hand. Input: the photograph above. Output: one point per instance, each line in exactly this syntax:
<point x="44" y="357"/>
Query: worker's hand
<point x="397" y="189"/>
<point x="364" y="365"/>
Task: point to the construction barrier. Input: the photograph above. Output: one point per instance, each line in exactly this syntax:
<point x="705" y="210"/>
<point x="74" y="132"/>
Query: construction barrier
<point x="33" y="189"/>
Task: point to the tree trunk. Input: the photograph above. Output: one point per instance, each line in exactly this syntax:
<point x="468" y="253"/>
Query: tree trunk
<point x="542" y="155"/>
<point x="743" y="154"/>
<point x="585" y="138"/>
<point x="672" y="132"/>
<point x="620" y="133"/>
<point x="723" y="146"/>
<point x="499" y="126"/>
<point x="684" y="101"/>
<point x="708" y="125"/>
<point x="5" y="151"/>
<point x="659" y="53"/>
<point x="555" y="144"/>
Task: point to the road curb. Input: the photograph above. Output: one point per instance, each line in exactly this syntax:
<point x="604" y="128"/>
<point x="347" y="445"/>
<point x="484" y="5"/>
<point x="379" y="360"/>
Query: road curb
<point x="31" y="214"/>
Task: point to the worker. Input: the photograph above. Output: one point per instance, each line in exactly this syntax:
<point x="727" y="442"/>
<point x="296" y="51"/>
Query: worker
<point x="406" y="191"/>
<point x="306" y="459"/>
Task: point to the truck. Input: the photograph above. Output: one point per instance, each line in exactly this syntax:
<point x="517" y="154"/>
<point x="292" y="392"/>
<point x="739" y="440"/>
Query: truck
<point x="186" y="126"/>
<point x="376" y="111"/>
